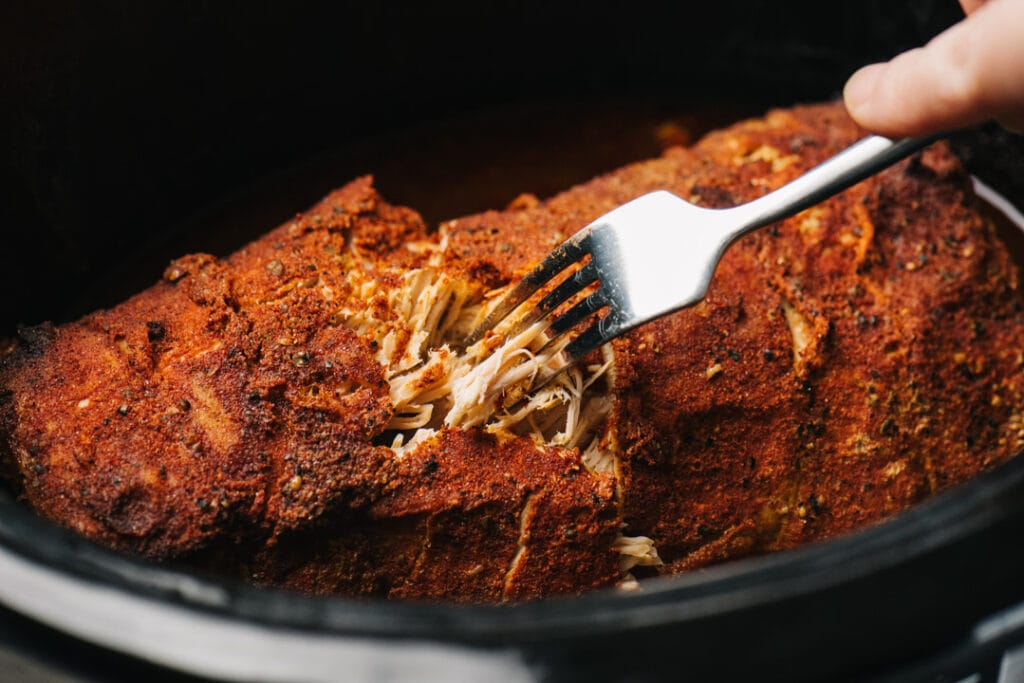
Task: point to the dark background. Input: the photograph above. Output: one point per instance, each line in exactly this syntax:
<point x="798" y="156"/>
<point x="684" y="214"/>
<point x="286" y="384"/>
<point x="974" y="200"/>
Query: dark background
<point x="123" y="122"/>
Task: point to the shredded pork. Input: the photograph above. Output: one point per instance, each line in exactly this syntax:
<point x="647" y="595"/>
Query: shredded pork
<point x="417" y="327"/>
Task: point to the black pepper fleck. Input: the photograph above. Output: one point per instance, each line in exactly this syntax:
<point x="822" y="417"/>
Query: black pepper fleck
<point x="815" y="504"/>
<point x="155" y="331"/>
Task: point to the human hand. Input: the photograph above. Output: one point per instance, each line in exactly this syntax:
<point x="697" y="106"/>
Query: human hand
<point x="970" y="73"/>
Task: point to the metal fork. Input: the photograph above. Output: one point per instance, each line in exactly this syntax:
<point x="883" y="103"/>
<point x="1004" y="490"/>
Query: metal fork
<point x="656" y="254"/>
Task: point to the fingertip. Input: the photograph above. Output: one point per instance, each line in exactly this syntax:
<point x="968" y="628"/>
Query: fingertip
<point x="886" y="98"/>
<point x="860" y="92"/>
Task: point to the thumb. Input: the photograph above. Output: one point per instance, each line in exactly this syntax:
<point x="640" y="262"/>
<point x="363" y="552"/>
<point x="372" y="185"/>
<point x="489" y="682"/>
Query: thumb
<point x="972" y="72"/>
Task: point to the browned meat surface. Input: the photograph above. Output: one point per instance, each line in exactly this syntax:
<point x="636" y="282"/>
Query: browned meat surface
<point x="847" y="363"/>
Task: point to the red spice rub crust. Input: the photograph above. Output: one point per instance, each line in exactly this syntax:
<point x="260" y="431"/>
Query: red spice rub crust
<point x="224" y="417"/>
<point x="846" y="363"/>
<point x="466" y="517"/>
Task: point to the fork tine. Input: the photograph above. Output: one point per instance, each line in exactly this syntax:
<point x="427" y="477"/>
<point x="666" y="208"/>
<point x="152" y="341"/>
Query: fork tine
<point x="577" y="313"/>
<point x="591" y="338"/>
<point x="565" y="351"/>
<point x="563" y="354"/>
<point x="562" y="293"/>
<point x="558" y="260"/>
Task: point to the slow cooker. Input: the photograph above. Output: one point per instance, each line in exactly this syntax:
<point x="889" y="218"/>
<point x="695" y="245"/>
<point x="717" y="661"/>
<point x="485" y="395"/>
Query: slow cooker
<point x="138" y="132"/>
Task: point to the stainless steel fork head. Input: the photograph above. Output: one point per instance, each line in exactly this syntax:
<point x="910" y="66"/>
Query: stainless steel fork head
<point x="654" y="255"/>
<point x="648" y="257"/>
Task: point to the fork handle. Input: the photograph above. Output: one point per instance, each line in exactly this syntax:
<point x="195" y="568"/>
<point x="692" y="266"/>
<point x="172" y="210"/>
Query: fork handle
<point x="855" y="163"/>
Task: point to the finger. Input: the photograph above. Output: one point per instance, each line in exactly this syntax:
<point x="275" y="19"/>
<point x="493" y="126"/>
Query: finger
<point x="970" y="73"/>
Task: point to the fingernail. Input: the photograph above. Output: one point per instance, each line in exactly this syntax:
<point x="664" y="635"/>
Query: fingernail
<point x="861" y="88"/>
